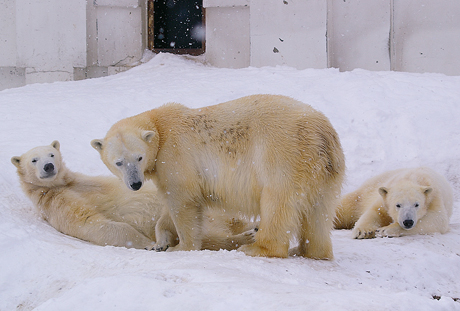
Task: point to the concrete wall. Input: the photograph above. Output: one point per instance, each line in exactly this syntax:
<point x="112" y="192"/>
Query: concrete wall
<point x="404" y="35"/>
<point x="291" y="33"/>
<point x="115" y="30"/>
<point x="41" y="47"/>
<point x="8" y="33"/>
<point x="55" y="40"/>
<point x="358" y="34"/>
<point x="227" y="31"/>
<point x="426" y="36"/>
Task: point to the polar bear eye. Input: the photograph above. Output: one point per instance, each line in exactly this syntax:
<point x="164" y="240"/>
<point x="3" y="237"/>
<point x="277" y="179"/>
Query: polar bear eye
<point x="398" y="205"/>
<point x="51" y="155"/>
<point x="139" y="159"/>
<point x="119" y="163"/>
<point x="416" y="205"/>
<point x="34" y="160"/>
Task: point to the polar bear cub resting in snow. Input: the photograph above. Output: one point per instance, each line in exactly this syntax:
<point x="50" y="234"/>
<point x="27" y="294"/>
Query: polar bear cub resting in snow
<point x="101" y="210"/>
<point x="396" y="203"/>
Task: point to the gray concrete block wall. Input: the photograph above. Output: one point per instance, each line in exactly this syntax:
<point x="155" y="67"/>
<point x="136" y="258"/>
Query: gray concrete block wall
<point x="55" y="40"/>
<point x="68" y="40"/>
<point x="403" y="35"/>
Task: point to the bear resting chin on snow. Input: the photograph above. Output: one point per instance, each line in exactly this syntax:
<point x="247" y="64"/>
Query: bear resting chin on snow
<point x="396" y="203"/>
<point x="101" y="210"/>
<point x="262" y="155"/>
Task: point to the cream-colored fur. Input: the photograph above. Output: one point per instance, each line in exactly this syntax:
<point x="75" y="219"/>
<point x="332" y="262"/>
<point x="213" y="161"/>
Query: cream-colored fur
<point x="397" y="203"/>
<point x="261" y="155"/>
<point x="102" y="210"/>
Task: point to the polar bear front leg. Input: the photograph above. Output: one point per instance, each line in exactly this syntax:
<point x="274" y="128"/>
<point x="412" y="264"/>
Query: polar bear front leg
<point x="372" y="219"/>
<point x="277" y="220"/>
<point x="188" y="220"/>
<point x="165" y="232"/>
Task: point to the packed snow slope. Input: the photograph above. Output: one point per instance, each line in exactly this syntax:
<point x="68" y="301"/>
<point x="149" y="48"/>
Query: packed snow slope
<point x="385" y="120"/>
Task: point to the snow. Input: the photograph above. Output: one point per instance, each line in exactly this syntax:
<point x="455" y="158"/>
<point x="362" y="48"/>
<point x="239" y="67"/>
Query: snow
<point x="385" y="120"/>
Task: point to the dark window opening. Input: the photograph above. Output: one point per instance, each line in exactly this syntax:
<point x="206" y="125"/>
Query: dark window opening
<point x="176" y="26"/>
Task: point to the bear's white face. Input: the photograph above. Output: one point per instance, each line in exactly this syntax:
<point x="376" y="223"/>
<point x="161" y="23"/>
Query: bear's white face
<point x="40" y="165"/>
<point x="406" y="203"/>
<point x="126" y="155"/>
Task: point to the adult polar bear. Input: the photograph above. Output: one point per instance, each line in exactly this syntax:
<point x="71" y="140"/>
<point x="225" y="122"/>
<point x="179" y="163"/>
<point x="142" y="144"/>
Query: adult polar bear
<point x="262" y="155"/>
<point x="101" y="210"/>
<point x="398" y="202"/>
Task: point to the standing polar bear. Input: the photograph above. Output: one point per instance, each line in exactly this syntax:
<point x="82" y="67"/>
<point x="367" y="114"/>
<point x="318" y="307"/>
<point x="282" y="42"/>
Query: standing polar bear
<point x="396" y="203"/>
<point x="261" y="155"/>
<point x="101" y="209"/>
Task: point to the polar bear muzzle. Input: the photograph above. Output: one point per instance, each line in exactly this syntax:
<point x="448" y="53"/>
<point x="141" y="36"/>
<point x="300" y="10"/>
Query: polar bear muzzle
<point x="49" y="170"/>
<point x="408" y="223"/>
<point x="136" y="185"/>
<point x="133" y="179"/>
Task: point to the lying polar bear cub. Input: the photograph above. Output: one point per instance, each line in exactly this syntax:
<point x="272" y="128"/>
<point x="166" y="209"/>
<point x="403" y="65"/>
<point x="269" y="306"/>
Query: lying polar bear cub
<point x="101" y="210"/>
<point x="396" y="203"/>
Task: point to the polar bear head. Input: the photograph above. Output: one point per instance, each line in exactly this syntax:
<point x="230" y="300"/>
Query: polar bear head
<point x="40" y="166"/>
<point x="406" y="202"/>
<point x="128" y="153"/>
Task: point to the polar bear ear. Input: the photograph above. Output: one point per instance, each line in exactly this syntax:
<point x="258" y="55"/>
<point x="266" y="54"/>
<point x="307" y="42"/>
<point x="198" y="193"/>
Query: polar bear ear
<point x="147" y="136"/>
<point x="383" y="192"/>
<point x="16" y="161"/>
<point x="427" y="190"/>
<point x="56" y="145"/>
<point x="97" y="144"/>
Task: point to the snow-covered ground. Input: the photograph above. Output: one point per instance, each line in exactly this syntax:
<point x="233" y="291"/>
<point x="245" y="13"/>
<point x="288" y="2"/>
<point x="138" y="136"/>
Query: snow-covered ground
<point x="385" y="120"/>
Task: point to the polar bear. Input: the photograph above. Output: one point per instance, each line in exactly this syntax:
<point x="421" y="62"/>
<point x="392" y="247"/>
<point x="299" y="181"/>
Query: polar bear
<point x="396" y="203"/>
<point x="261" y="155"/>
<point x="101" y="210"/>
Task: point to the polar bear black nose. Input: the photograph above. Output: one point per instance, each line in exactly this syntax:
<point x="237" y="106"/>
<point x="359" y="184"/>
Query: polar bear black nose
<point x="408" y="223"/>
<point x="49" y="167"/>
<point x="136" y="185"/>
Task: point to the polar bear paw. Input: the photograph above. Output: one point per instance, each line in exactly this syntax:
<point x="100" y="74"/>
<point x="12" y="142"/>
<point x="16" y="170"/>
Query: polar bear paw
<point x="393" y="230"/>
<point x="363" y="233"/>
<point x="160" y="247"/>
<point x="249" y="235"/>
<point x="164" y="240"/>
